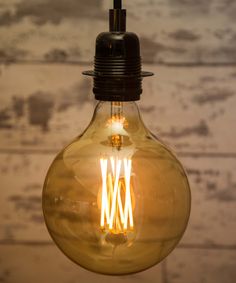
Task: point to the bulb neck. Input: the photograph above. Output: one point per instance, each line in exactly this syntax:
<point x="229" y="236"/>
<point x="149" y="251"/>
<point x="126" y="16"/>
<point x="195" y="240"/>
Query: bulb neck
<point x="118" y="118"/>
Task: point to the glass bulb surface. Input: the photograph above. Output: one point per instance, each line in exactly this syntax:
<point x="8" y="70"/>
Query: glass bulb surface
<point x="116" y="200"/>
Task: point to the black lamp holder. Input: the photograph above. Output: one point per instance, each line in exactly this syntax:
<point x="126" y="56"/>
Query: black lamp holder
<point x="117" y="71"/>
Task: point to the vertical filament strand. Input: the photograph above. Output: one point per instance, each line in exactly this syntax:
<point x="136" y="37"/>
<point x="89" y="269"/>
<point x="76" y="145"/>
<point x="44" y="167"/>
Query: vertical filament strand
<point x="116" y="200"/>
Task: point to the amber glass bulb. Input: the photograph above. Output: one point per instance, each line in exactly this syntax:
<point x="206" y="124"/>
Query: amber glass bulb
<point x="116" y="200"/>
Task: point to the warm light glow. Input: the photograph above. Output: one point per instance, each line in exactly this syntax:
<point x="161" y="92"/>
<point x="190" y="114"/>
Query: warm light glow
<point x="116" y="199"/>
<point x="117" y="122"/>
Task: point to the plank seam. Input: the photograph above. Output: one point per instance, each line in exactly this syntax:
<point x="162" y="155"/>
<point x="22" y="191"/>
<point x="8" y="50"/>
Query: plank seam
<point x="88" y="63"/>
<point x="179" y="153"/>
<point x="164" y="271"/>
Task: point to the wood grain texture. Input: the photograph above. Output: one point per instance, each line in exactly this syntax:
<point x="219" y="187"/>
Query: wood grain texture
<point x="211" y="266"/>
<point x="42" y="107"/>
<point x="212" y="182"/>
<point x="213" y="188"/>
<point x="22" y="180"/>
<point x="65" y="30"/>
<point x="23" y="264"/>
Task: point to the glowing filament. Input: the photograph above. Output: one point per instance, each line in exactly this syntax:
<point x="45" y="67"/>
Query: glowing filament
<point x="116" y="199"/>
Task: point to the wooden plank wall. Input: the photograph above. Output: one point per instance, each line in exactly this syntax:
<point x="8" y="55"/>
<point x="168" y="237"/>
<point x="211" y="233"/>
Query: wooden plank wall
<point x="190" y="103"/>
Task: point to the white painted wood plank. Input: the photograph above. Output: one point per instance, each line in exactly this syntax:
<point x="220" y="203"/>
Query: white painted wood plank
<point x="47" y="264"/>
<point x="22" y="180"/>
<point x="213" y="188"/>
<point x="64" y="30"/>
<point x="208" y="266"/>
<point x="212" y="181"/>
<point x="43" y="107"/>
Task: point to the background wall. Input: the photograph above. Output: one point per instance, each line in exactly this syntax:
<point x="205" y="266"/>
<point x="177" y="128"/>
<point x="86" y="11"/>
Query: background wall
<point x="190" y="103"/>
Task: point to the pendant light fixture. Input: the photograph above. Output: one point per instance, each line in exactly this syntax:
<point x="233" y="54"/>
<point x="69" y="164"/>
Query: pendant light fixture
<point x="116" y="200"/>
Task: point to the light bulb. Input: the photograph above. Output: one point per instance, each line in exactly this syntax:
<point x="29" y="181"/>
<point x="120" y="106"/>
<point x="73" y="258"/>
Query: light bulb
<point x="116" y="200"/>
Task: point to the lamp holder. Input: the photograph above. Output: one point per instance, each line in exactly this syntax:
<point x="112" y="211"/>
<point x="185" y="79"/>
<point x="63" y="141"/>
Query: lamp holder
<point x="117" y="70"/>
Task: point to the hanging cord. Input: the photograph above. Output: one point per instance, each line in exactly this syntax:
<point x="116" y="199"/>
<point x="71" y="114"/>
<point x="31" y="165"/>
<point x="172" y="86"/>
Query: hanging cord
<point x="117" y="17"/>
<point x="117" y="4"/>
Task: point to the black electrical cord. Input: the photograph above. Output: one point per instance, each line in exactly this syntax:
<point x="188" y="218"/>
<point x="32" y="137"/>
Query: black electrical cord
<point x="117" y="17"/>
<point x="117" y="4"/>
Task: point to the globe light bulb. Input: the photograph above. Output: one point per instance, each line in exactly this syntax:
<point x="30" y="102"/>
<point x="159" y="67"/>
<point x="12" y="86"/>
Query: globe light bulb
<point x="116" y="200"/>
